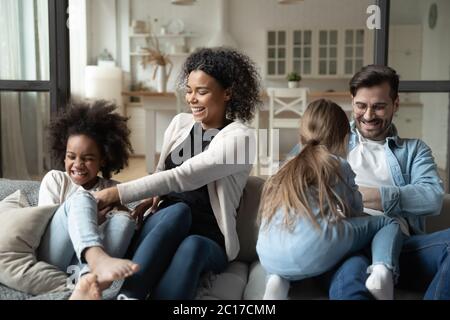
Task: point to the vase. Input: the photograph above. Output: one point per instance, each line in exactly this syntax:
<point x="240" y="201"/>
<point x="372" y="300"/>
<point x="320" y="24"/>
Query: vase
<point x="293" y="84"/>
<point x="161" y="79"/>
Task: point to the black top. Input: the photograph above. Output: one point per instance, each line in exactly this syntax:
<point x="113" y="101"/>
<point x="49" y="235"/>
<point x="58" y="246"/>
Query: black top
<point x="204" y="222"/>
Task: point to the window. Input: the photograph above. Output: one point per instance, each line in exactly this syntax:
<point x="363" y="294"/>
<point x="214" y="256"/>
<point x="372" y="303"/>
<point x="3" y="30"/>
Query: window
<point x="419" y="51"/>
<point x="34" y="79"/>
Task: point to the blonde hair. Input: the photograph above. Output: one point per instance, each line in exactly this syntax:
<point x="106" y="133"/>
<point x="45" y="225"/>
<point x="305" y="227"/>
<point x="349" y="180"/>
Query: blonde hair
<point x="313" y="173"/>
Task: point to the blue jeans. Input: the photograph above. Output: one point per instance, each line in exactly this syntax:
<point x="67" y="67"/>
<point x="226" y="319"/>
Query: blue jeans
<point x="306" y="252"/>
<point x="171" y="260"/>
<point x="74" y="228"/>
<point x="425" y="265"/>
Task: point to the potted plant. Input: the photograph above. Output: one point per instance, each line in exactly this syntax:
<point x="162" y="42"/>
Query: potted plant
<point x="293" y="79"/>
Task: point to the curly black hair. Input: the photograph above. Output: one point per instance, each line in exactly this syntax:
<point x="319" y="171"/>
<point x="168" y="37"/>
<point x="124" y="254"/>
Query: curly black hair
<point x="98" y="121"/>
<point x="232" y="70"/>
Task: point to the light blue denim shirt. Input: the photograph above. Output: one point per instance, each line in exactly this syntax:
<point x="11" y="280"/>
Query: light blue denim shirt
<point x="418" y="190"/>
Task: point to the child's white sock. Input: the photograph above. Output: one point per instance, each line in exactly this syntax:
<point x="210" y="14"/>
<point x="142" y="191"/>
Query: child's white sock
<point x="381" y="283"/>
<point x="277" y="288"/>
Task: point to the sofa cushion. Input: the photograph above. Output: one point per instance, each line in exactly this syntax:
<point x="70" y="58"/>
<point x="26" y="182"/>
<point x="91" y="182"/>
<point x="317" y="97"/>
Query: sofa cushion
<point x="228" y="285"/>
<point x="30" y="189"/>
<point x="308" y="289"/>
<point x="246" y="220"/>
<point x="21" y="229"/>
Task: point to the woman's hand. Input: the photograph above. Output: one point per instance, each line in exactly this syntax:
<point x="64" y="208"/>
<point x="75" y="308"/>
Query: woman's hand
<point x="139" y="211"/>
<point x="107" y="197"/>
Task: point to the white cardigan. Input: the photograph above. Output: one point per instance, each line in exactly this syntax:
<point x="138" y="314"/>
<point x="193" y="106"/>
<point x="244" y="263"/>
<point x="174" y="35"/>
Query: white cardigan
<point x="225" y="182"/>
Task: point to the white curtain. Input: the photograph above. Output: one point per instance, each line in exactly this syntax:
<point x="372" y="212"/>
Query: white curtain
<point x="43" y="102"/>
<point x="24" y="39"/>
<point x="13" y="154"/>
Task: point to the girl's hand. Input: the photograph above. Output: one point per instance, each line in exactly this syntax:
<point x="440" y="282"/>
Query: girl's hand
<point x="139" y="211"/>
<point x="101" y="214"/>
<point x="107" y="197"/>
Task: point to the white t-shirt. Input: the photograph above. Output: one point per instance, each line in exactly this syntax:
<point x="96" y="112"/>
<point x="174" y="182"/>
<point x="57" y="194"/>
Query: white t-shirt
<point x="369" y="162"/>
<point x="57" y="187"/>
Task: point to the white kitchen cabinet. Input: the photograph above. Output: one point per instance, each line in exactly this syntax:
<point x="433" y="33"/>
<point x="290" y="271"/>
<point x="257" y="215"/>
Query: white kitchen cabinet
<point x="318" y="53"/>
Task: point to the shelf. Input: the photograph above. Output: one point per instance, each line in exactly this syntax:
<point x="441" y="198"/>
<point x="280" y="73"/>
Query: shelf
<point x="134" y="104"/>
<point x="163" y="36"/>
<point x="139" y="35"/>
<point x="148" y="94"/>
<point x="137" y="54"/>
<point x="179" y="54"/>
<point x="181" y="35"/>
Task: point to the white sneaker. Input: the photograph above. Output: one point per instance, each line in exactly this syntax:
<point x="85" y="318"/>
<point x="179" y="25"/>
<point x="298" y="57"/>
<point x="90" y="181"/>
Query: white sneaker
<point x="124" y="297"/>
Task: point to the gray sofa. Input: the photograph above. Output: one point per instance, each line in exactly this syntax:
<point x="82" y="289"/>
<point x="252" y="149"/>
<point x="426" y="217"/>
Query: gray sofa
<point x="244" y="278"/>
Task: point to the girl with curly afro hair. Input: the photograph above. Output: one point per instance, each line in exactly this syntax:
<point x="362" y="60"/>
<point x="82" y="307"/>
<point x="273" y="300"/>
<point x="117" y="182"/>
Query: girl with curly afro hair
<point x="88" y="138"/>
<point x="194" y="193"/>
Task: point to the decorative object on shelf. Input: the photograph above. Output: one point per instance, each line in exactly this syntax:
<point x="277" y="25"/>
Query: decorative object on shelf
<point x="289" y="1"/>
<point x="154" y="56"/>
<point x="105" y="59"/>
<point x="183" y="2"/>
<point x="294" y="79"/>
<point x="175" y="26"/>
<point x="162" y="75"/>
<point x="139" y="26"/>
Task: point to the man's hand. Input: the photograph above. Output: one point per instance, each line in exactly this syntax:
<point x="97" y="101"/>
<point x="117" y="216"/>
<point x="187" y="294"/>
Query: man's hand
<point x="139" y="211"/>
<point x="371" y="198"/>
<point x="107" y="197"/>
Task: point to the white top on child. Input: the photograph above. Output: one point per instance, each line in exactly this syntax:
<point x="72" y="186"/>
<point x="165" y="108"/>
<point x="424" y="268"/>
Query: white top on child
<point x="57" y="187"/>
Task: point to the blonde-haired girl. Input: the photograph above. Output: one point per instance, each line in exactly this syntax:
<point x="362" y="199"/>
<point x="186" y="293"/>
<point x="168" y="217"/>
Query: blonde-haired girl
<point x="311" y="212"/>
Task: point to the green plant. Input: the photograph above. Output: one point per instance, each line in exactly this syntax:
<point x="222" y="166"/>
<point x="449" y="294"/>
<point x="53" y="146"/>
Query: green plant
<point x="294" y="76"/>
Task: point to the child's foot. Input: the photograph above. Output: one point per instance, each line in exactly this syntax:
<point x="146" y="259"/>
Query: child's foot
<point x="381" y="283"/>
<point x="277" y="288"/>
<point x="86" y="289"/>
<point x="109" y="269"/>
<point x="106" y="268"/>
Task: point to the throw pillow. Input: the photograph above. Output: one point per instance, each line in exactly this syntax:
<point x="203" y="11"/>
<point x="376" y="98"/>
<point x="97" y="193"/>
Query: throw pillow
<point x="21" y="229"/>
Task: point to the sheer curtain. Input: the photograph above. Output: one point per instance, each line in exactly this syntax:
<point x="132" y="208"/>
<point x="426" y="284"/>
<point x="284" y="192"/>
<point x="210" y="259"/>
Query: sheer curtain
<point x="13" y="153"/>
<point x="24" y="116"/>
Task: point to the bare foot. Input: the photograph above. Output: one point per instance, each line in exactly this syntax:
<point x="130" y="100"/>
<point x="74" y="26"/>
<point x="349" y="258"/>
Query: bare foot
<point x="86" y="289"/>
<point x="108" y="268"/>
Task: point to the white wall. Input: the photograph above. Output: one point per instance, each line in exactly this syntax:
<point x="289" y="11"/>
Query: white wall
<point x="102" y="31"/>
<point x="78" y="46"/>
<point x="249" y="20"/>
<point x="436" y="66"/>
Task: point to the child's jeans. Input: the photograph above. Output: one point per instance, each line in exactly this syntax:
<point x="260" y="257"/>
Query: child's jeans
<point x="74" y="228"/>
<point x="307" y="252"/>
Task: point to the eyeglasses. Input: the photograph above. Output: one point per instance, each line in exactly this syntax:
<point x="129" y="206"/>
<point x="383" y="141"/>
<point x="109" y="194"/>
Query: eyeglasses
<point x="361" y="108"/>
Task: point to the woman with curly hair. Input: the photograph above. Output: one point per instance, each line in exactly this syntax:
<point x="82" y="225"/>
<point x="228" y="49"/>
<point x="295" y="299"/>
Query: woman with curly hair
<point x="87" y="139"/>
<point x="196" y="188"/>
